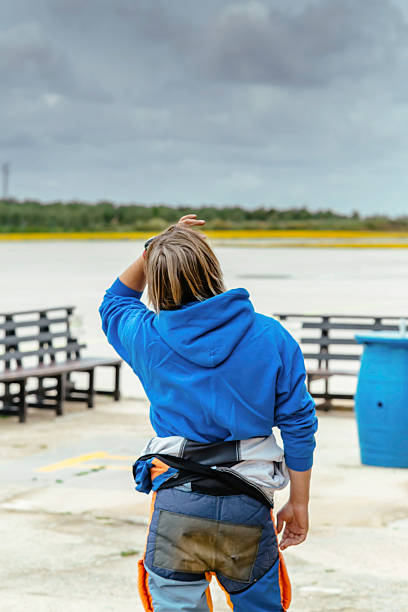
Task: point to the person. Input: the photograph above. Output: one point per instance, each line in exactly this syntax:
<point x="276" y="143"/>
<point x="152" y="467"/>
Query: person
<point x="219" y="377"/>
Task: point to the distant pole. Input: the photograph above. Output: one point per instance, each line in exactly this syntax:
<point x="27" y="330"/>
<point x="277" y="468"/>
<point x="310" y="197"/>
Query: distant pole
<point x="6" y="172"/>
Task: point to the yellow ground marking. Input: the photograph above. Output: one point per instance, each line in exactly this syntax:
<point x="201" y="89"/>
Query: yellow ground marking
<point x="71" y="461"/>
<point x="303" y="234"/>
<point x="121" y="457"/>
<point x="336" y="245"/>
<point x="81" y="459"/>
<point x="76" y="235"/>
<point x="100" y="466"/>
<point x="216" y="234"/>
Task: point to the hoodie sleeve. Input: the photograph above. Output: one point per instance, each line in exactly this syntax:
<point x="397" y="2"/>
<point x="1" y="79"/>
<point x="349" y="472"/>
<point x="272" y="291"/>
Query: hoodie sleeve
<point x="123" y="316"/>
<point x="295" y="409"/>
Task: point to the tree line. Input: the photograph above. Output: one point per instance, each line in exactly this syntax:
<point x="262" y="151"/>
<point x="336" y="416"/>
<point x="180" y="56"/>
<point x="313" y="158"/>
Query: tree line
<point x="35" y="216"/>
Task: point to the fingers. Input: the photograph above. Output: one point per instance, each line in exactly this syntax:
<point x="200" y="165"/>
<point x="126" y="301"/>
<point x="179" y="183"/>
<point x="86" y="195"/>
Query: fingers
<point x="194" y="222"/>
<point x="189" y="216"/>
<point x="291" y="539"/>
<point x="279" y="523"/>
<point x="291" y="542"/>
<point x="191" y="220"/>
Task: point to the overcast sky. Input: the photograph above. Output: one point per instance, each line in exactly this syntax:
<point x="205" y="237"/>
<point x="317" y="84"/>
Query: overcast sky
<point x="207" y="102"/>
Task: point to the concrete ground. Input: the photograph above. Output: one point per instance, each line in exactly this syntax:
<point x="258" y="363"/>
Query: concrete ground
<point x="72" y="527"/>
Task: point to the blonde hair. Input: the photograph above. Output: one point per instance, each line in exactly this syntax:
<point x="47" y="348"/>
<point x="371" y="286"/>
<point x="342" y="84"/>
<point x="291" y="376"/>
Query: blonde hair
<point x="181" y="267"/>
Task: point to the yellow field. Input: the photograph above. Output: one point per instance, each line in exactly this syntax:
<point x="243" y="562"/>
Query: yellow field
<point x="279" y="238"/>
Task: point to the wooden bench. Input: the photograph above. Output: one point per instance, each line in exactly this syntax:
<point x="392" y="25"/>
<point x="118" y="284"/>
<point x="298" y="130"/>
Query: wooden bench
<point x="38" y="345"/>
<point x="328" y="342"/>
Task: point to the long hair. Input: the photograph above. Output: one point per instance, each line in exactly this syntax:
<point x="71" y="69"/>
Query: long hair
<point x="181" y="267"/>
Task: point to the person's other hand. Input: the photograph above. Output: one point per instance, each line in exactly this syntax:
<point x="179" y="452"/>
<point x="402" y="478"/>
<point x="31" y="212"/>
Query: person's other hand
<point x="296" y="519"/>
<point x="190" y="220"/>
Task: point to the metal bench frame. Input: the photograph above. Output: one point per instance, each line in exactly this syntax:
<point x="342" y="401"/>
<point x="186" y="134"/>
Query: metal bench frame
<point x="46" y="366"/>
<point x="323" y="356"/>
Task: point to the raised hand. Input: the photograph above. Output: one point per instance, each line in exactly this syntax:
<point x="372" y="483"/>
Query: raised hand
<point x="191" y="220"/>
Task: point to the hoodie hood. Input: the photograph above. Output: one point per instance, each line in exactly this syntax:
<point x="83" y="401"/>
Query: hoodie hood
<point x="207" y="332"/>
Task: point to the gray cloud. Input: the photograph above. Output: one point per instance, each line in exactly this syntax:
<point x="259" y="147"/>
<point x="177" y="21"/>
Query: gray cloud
<point x="223" y="102"/>
<point x="28" y="61"/>
<point x="252" y="42"/>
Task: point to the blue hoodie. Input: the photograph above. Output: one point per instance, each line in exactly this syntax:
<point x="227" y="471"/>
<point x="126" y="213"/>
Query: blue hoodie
<point x="215" y="370"/>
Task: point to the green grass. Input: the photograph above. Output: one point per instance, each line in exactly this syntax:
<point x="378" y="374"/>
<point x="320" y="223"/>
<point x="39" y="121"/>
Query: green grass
<point x="129" y="553"/>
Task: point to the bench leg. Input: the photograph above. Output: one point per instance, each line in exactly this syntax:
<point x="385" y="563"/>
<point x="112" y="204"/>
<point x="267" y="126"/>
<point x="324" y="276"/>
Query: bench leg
<point x="327" y="404"/>
<point x="91" y="388"/>
<point x="22" y="409"/>
<point x="69" y="385"/>
<point x="61" y="379"/>
<point x="40" y="390"/>
<point x="116" y="393"/>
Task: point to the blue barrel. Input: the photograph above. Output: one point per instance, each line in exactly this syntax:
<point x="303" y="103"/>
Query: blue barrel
<point x="381" y="401"/>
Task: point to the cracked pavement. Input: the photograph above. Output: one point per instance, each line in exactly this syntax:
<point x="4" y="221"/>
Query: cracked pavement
<point x="72" y="527"/>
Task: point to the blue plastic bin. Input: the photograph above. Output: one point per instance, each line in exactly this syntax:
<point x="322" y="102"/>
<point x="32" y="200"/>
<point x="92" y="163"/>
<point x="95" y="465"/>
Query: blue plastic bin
<point x="381" y="401"/>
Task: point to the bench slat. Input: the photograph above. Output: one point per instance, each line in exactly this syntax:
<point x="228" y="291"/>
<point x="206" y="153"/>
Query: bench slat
<point x="43" y="322"/>
<point x="326" y="341"/>
<point x="331" y="356"/>
<point x="327" y="373"/>
<point x="363" y="326"/>
<point x="71" y="365"/>
<point x="333" y="316"/>
<point x="323" y="395"/>
<point x="41" y="352"/>
<point x="41" y="337"/>
<point x="70" y="310"/>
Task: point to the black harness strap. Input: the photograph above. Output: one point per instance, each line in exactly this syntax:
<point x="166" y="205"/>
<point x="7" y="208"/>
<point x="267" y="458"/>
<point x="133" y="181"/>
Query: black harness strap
<point x="191" y="471"/>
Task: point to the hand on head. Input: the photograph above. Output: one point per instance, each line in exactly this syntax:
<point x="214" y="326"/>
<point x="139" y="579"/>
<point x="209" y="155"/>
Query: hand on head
<point x="191" y="220"/>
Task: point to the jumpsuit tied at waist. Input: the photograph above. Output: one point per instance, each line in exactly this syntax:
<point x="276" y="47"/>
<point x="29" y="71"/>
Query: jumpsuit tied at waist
<point x="211" y="515"/>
